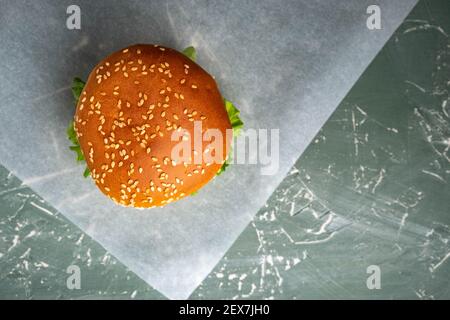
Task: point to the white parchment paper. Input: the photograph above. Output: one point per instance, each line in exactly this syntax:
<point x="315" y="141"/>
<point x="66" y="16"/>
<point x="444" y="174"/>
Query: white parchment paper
<point x="285" y="64"/>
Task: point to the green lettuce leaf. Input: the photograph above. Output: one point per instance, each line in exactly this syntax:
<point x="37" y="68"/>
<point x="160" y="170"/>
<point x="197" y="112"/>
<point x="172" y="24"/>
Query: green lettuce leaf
<point x="190" y="53"/>
<point x="77" y="88"/>
<point x="236" y="125"/>
<point x="233" y="115"/>
<point x="86" y="172"/>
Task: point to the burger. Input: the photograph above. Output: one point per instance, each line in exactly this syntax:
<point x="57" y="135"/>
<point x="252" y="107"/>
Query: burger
<point x="140" y="124"/>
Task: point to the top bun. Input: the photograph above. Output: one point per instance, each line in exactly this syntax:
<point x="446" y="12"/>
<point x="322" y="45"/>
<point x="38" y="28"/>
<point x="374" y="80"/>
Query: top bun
<point x="131" y="104"/>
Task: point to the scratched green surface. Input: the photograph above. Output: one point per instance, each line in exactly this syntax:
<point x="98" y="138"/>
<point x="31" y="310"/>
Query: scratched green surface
<point x="371" y="189"/>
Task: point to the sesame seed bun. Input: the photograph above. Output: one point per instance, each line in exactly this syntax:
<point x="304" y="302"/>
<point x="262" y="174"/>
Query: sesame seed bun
<point x="132" y="102"/>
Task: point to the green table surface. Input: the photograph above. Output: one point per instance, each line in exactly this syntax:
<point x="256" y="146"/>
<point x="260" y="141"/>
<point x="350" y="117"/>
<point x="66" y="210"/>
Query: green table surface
<point x="371" y="189"/>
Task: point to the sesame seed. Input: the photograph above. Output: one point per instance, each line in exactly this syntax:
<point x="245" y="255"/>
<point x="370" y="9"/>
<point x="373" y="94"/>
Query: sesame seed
<point x="194" y="86"/>
<point x="125" y="51"/>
